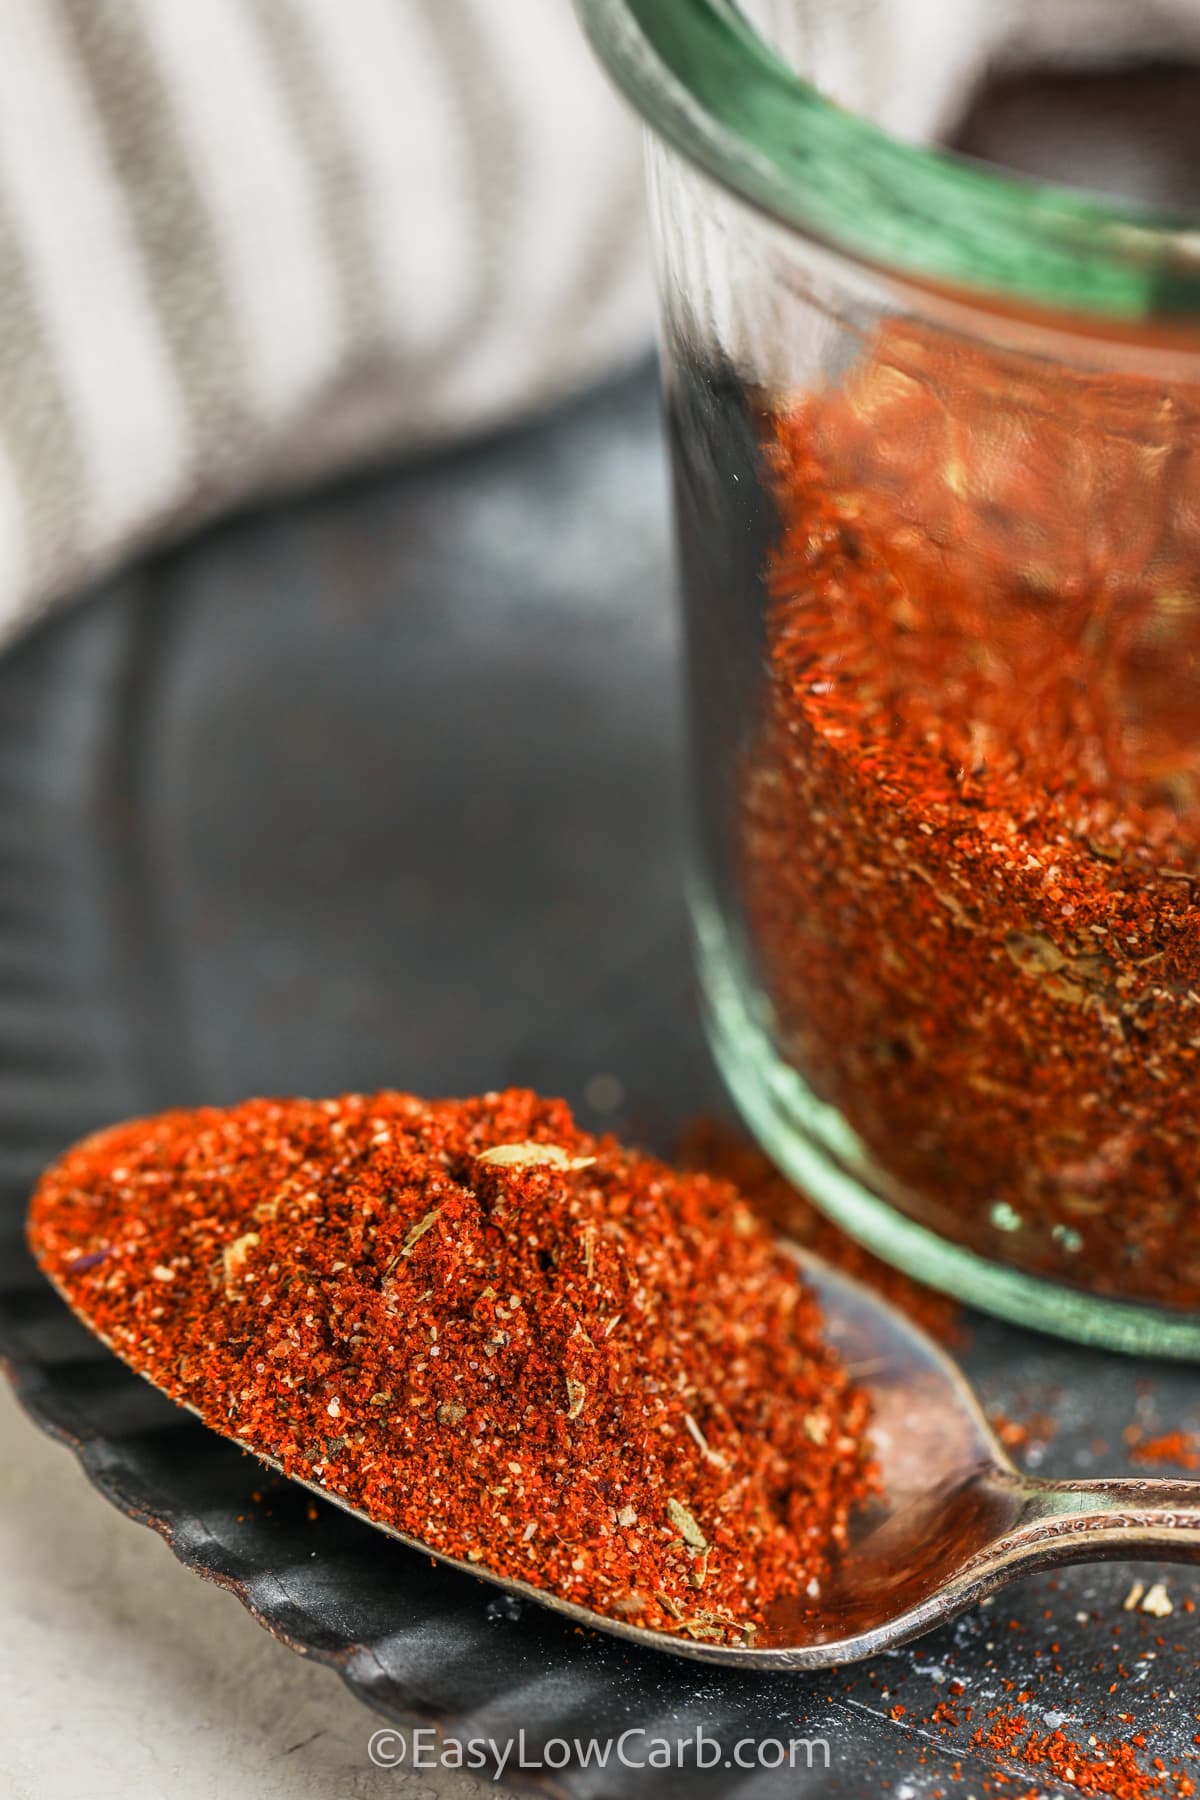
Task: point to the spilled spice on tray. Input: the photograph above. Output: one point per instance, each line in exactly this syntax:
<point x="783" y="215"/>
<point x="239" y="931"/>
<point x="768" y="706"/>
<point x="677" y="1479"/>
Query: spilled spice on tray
<point x="1117" y="1769"/>
<point x="970" y="823"/>
<point x="526" y="1346"/>
<point x="1010" y="1726"/>
<point x="1180" y="1448"/>
<point x="1028" y="1437"/>
<point x="719" y="1149"/>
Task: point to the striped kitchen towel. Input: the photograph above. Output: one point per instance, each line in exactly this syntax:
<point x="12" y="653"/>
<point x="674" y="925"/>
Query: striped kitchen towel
<point x="243" y="242"/>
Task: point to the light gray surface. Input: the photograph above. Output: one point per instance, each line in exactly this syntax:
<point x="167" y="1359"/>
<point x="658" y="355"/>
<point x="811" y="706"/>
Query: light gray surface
<point x="124" y="1676"/>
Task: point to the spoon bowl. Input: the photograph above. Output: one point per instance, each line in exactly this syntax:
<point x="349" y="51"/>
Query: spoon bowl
<point x="953" y="1521"/>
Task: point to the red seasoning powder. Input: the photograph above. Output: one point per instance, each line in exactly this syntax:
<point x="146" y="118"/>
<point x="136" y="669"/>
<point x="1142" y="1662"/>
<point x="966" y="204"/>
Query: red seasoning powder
<point x="520" y="1344"/>
<point x="720" y="1149"/>
<point x="970" y="826"/>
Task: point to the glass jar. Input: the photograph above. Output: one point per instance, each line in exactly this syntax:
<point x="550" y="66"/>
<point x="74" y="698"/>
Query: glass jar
<point x="936" y="441"/>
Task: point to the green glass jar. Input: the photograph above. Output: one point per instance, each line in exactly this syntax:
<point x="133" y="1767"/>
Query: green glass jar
<point x="936" y="442"/>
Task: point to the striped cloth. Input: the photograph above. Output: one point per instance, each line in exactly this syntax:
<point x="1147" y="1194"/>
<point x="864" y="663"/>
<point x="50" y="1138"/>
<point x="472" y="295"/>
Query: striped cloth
<point x="243" y="242"/>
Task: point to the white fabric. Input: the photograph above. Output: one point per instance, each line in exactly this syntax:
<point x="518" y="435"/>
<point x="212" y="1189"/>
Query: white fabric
<point x="243" y="242"/>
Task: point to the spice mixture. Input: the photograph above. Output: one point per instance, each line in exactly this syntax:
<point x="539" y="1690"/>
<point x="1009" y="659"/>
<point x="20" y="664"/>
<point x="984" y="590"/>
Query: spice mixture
<point x="970" y="824"/>
<point x="522" y="1345"/>
<point x="719" y="1150"/>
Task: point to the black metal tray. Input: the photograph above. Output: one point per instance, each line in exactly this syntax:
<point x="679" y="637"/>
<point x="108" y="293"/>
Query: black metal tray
<point x="384" y="787"/>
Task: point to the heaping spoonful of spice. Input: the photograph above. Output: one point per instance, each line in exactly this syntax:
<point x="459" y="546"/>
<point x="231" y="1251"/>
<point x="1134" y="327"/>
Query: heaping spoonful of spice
<point x="567" y="1368"/>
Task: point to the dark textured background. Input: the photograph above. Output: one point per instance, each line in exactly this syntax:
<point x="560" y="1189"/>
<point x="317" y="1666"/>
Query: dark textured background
<point x="384" y="787"/>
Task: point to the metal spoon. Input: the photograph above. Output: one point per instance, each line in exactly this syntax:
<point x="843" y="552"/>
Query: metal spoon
<point x="956" y="1520"/>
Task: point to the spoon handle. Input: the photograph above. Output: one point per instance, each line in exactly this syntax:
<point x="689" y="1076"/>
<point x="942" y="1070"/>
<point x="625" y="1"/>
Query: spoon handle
<point x="1003" y="1524"/>
<point x="1077" y="1521"/>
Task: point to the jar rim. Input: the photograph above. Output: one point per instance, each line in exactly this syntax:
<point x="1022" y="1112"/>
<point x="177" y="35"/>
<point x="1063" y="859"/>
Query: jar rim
<point x="704" y="80"/>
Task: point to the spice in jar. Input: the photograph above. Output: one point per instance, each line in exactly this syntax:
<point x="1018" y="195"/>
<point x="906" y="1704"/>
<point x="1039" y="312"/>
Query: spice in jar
<point x="969" y="824"/>
<point x="524" y="1346"/>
